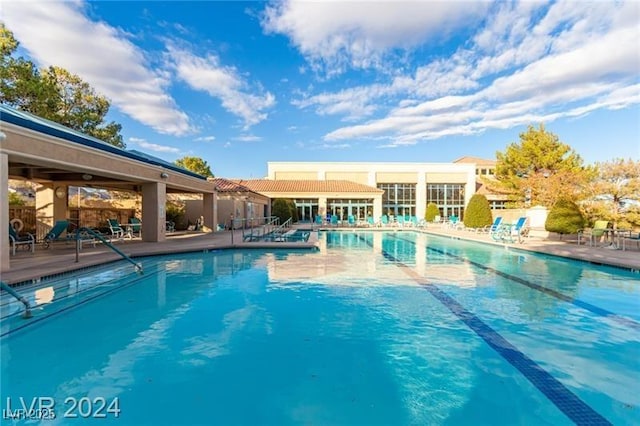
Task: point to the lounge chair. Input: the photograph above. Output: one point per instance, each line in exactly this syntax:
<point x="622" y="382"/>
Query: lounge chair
<point x="55" y="234"/>
<point x="116" y="230"/>
<point x="493" y="227"/>
<point x="170" y="226"/>
<point x="516" y="232"/>
<point x="351" y="219"/>
<point x="334" y="220"/>
<point x="370" y="221"/>
<point x="593" y="234"/>
<point x="318" y="219"/>
<point x="135" y="227"/>
<point x="384" y="220"/>
<point x="16" y="240"/>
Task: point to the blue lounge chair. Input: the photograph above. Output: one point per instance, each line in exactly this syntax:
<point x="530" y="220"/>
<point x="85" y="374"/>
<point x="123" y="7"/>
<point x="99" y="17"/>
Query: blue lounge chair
<point x="351" y="219"/>
<point x="493" y="227"/>
<point x="384" y="220"/>
<point x="16" y="240"/>
<point x="516" y="232"/>
<point x="55" y="234"/>
<point x="334" y="220"/>
<point x="370" y="221"/>
<point x="318" y="219"/>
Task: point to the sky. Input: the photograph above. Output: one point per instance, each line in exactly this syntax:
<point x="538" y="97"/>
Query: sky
<point x="240" y="84"/>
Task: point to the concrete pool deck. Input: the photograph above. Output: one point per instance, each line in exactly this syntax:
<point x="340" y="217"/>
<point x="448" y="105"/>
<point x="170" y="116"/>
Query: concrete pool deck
<point x="27" y="266"/>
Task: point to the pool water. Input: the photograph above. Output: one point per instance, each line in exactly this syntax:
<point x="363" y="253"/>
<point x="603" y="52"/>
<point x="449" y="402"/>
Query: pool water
<point x="395" y="328"/>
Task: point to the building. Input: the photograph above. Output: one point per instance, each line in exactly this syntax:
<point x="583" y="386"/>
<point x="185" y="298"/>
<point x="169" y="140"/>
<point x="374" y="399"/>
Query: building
<point x="485" y="169"/>
<point x="369" y="189"/>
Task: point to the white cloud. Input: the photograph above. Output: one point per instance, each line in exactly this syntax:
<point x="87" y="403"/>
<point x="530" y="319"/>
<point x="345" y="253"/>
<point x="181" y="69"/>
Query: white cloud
<point x="222" y="82"/>
<point x="247" y="138"/>
<point x="152" y="146"/>
<point x="334" y="35"/>
<point x="205" y="139"/>
<point x="532" y="62"/>
<point x="60" y="33"/>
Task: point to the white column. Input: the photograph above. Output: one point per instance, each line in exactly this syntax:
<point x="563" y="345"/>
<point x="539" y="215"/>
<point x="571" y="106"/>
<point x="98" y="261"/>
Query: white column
<point x="421" y="195"/>
<point x="4" y="212"/>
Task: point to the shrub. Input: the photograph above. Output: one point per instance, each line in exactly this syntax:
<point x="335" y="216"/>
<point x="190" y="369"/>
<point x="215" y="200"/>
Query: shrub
<point x="565" y="217"/>
<point x="15" y="199"/>
<point x="284" y="209"/>
<point x="432" y="212"/>
<point x="478" y="212"/>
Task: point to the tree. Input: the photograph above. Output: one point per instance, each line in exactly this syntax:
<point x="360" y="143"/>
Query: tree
<point x="194" y="164"/>
<point x="614" y="193"/>
<point x="565" y="217"/>
<point x="538" y="170"/>
<point x="432" y="212"/>
<point x="281" y="208"/>
<point x="54" y="94"/>
<point x="478" y="212"/>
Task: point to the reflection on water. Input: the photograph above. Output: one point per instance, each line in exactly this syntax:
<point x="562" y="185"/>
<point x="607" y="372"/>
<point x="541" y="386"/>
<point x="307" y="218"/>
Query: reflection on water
<point x="337" y="336"/>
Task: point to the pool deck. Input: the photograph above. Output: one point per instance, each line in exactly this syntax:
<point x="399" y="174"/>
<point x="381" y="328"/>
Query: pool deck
<point x="27" y="266"/>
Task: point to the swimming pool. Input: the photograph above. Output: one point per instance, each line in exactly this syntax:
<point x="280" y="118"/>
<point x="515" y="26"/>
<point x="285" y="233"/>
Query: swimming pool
<point x="374" y="328"/>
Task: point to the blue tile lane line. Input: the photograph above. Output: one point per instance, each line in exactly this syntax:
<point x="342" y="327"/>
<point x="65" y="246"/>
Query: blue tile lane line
<point x="551" y="292"/>
<point x="565" y="400"/>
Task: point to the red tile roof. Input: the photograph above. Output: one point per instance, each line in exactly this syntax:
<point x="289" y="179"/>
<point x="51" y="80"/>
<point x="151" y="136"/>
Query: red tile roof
<point x="226" y="185"/>
<point x="311" y="186"/>
<point x="478" y="161"/>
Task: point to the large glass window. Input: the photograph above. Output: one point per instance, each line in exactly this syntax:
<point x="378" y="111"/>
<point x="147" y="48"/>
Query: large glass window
<point x="343" y="208"/>
<point x="449" y="197"/>
<point x="399" y="199"/>
<point x="307" y="209"/>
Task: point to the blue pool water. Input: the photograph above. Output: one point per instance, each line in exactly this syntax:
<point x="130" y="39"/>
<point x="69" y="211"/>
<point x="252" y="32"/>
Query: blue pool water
<point x="374" y="328"/>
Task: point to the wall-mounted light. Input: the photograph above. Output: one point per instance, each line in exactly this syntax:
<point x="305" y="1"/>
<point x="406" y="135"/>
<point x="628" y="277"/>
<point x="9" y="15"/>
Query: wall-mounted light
<point x="87" y="176"/>
<point x="164" y="175"/>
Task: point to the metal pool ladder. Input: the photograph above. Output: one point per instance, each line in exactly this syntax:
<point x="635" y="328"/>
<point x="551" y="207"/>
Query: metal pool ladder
<point x="22" y="299"/>
<point x="94" y="234"/>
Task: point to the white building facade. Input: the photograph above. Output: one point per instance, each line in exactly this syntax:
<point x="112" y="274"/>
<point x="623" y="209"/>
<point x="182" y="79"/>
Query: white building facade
<point x="408" y="187"/>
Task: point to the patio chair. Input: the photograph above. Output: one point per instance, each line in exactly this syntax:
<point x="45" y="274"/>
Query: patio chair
<point x="170" y="226"/>
<point x="16" y="240"/>
<point x="115" y="228"/>
<point x="351" y="220"/>
<point x="334" y="220"/>
<point x="55" y="234"/>
<point x="384" y="220"/>
<point x="593" y="234"/>
<point x="493" y="227"/>
<point x="516" y="232"/>
<point x="135" y="227"/>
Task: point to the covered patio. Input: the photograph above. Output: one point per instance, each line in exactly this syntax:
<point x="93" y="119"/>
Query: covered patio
<point x="57" y="157"/>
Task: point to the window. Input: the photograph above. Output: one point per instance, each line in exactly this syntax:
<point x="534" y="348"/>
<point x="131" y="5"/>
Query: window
<point x="449" y="197"/>
<point x="343" y="208"/>
<point x="399" y="199"/>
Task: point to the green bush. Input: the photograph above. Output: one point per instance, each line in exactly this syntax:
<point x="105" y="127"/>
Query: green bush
<point x="432" y="212"/>
<point x="478" y="212"/>
<point x="284" y="209"/>
<point x="15" y="199"/>
<point x="565" y="217"/>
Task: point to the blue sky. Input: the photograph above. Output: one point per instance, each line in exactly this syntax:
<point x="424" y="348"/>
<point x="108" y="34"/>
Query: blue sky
<point x="243" y="83"/>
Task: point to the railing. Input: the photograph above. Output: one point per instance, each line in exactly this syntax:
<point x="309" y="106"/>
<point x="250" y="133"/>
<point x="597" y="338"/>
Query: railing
<point x="106" y="242"/>
<point x="287" y="224"/>
<point x="25" y="302"/>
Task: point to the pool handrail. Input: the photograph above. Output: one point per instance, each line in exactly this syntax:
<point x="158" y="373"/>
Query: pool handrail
<point x="94" y="234"/>
<point x="22" y="299"/>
